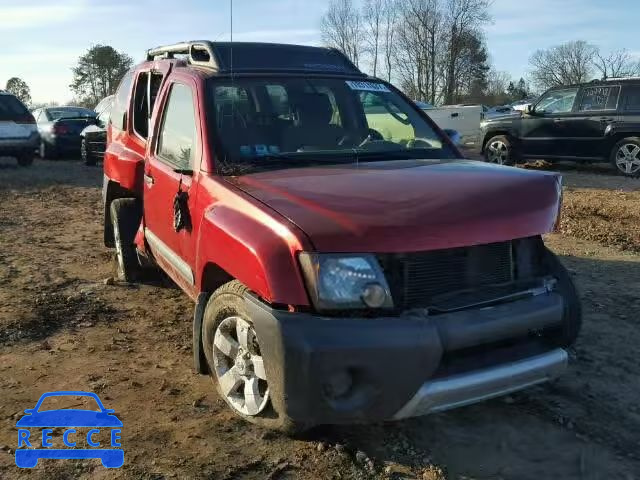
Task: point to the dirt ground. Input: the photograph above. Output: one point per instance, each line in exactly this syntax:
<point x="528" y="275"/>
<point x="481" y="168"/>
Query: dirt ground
<point x="64" y="327"/>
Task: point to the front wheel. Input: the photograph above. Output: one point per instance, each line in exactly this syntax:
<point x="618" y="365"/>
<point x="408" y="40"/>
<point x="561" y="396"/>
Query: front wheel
<point x="87" y="158"/>
<point x="499" y="150"/>
<point x="25" y="159"/>
<point x="625" y="156"/>
<point x="235" y="360"/>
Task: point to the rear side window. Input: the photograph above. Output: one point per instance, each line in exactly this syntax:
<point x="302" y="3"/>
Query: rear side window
<point x="630" y="99"/>
<point x="121" y="105"/>
<point x="11" y="108"/>
<point x="177" y="140"/>
<point x="599" y="98"/>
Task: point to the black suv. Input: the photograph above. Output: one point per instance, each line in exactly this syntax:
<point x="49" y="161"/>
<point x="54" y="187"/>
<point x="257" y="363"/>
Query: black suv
<point x="596" y="121"/>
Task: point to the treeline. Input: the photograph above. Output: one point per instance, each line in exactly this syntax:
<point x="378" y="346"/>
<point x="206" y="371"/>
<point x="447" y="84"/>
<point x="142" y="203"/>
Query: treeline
<point x="433" y="49"/>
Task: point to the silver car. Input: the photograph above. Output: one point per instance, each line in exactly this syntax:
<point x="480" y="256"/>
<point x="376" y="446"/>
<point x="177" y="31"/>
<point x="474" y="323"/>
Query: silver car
<point x="18" y="132"/>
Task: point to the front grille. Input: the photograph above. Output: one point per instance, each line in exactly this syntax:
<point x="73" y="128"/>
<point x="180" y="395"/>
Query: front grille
<point x="417" y="278"/>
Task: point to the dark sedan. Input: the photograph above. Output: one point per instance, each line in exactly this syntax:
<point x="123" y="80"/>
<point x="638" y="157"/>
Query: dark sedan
<point x="94" y="136"/>
<point x="60" y="129"/>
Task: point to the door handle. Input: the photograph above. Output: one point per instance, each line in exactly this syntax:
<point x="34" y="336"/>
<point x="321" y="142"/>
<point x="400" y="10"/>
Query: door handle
<point x="148" y="179"/>
<point x="606" y="119"/>
<point x="454" y="115"/>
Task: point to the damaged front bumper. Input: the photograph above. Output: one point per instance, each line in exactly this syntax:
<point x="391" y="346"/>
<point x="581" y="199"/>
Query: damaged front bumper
<point x="327" y="370"/>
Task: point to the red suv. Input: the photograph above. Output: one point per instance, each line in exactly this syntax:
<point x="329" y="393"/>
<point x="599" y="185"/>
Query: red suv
<point x="347" y="264"/>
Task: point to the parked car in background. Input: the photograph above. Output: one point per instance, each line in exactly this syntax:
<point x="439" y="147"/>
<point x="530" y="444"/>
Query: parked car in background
<point x="18" y="133"/>
<point x="591" y="122"/>
<point x="492" y="112"/>
<point x="522" y="105"/>
<point x="464" y="119"/>
<point x="347" y="264"/>
<point x="60" y="129"/>
<point x="94" y="136"/>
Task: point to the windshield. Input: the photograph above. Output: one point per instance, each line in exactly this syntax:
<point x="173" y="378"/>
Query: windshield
<point x="270" y="123"/>
<point x="55" y="114"/>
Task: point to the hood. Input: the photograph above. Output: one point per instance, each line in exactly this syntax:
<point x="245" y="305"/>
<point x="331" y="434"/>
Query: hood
<point x="404" y="206"/>
<point x="496" y="117"/>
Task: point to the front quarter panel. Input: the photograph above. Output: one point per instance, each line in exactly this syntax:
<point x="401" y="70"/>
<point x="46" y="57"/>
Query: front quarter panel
<point x="251" y="243"/>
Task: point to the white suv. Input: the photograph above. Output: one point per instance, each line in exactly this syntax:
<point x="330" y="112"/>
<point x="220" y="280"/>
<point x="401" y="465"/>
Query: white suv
<point x="18" y="132"/>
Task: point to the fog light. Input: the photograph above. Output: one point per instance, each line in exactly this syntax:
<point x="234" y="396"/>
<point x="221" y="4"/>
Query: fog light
<point x="374" y="295"/>
<point x="338" y="384"/>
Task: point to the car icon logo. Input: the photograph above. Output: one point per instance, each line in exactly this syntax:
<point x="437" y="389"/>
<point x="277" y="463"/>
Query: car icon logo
<point x="68" y="419"/>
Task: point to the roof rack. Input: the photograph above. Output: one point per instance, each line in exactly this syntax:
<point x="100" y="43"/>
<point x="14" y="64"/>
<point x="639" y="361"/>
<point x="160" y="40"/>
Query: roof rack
<point x="255" y="57"/>
<point x="200" y="52"/>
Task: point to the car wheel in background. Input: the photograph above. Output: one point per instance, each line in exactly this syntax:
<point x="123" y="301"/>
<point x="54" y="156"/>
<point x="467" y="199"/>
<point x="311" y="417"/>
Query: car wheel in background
<point x="46" y="151"/>
<point x="499" y="149"/>
<point x="235" y="361"/>
<point x="126" y="214"/>
<point x="25" y="159"/>
<point x="625" y="156"/>
<point x="86" y="155"/>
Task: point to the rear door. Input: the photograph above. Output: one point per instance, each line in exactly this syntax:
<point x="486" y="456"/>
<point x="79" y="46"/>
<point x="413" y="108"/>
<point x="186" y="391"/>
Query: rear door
<point x="585" y="129"/>
<point x="176" y="146"/>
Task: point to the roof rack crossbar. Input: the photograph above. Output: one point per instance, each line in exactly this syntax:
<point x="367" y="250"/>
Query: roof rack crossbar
<point x="199" y="52"/>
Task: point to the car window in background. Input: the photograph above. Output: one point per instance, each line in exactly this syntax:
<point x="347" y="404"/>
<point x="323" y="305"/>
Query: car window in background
<point x="103" y="116"/>
<point x="599" y="97"/>
<point x="11" y="108"/>
<point x="177" y="140"/>
<point x="557" y="101"/>
<point x="56" y="114"/>
<point x="630" y="99"/>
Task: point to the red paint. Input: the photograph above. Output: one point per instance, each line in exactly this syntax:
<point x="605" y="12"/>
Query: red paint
<point x="254" y="226"/>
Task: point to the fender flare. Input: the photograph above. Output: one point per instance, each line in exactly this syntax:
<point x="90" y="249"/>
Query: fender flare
<point x="199" y="359"/>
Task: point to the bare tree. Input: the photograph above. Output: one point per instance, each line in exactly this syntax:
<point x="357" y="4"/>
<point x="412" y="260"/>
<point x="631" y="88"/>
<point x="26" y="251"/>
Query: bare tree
<point x="373" y="18"/>
<point x="564" y="64"/>
<point x="618" y="63"/>
<point x="389" y="29"/>
<point x="341" y="28"/>
<point x="463" y="21"/>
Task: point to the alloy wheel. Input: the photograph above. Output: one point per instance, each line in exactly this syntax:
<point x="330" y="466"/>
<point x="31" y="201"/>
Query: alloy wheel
<point x="498" y="152"/>
<point x="239" y="367"/>
<point x="628" y="159"/>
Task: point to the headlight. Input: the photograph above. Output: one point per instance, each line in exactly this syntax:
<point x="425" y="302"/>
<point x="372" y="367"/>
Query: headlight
<point x="342" y="281"/>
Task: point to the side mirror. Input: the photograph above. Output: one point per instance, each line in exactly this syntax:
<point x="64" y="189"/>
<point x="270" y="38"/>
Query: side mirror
<point x="29" y="410"/>
<point x="530" y="109"/>
<point x="453" y="135"/>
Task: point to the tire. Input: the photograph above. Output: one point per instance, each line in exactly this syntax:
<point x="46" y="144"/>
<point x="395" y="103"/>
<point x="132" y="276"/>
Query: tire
<point x="566" y="335"/>
<point x="46" y="151"/>
<point x="126" y="214"/>
<point x="25" y="159"/>
<point x="86" y="155"/>
<point x="500" y="150"/>
<point x="625" y="157"/>
<point x="227" y="303"/>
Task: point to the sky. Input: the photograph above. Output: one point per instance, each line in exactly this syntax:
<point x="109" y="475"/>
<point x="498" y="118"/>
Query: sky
<point x="41" y="40"/>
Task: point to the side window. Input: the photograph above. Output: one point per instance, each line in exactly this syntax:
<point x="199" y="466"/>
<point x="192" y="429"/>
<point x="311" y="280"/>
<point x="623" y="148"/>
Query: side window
<point x="279" y="101"/>
<point x="387" y="119"/>
<point x="177" y="140"/>
<point x="630" y="99"/>
<point x="599" y="98"/>
<point x="121" y="105"/>
<point x="140" y="106"/>
<point x="557" y="101"/>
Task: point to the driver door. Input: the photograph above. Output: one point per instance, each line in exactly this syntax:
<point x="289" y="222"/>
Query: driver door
<point x="544" y="130"/>
<point x="175" y="151"/>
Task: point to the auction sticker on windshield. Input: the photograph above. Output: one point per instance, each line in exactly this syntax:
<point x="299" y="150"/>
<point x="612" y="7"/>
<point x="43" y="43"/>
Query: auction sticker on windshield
<point x="368" y="86"/>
